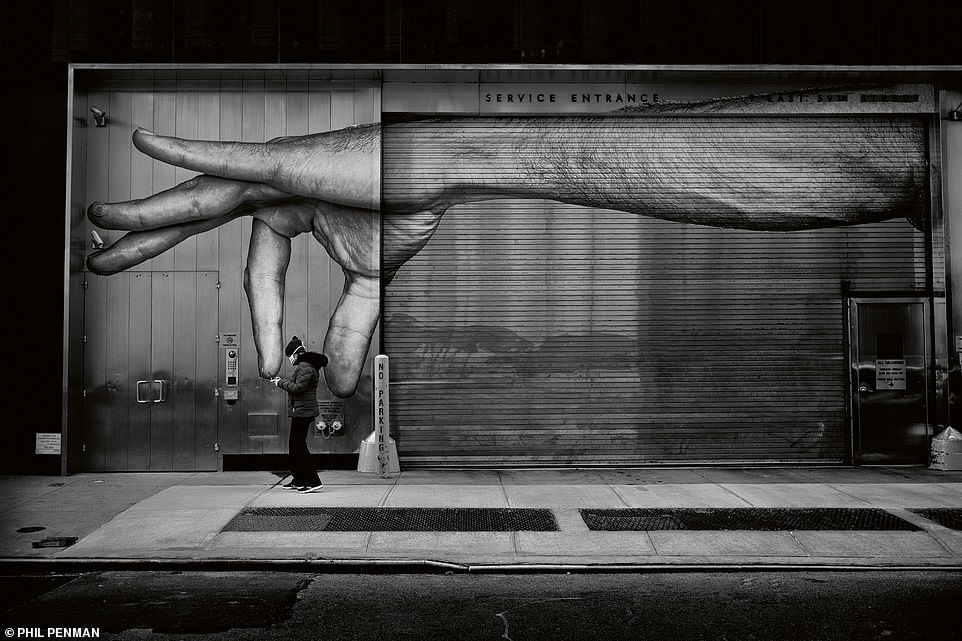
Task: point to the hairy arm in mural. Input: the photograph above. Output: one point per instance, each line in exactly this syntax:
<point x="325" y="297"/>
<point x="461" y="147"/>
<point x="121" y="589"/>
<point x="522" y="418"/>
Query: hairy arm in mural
<point x="329" y="185"/>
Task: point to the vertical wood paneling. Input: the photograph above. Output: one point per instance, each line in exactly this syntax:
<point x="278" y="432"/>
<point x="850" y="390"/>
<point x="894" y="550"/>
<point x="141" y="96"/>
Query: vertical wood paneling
<point x="208" y="128"/>
<point x="186" y="119"/>
<point x="255" y="392"/>
<point x="141" y="115"/>
<point x="95" y="297"/>
<point x="182" y="391"/>
<point x="164" y="176"/>
<point x="79" y="244"/>
<point x="117" y="373"/>
<point x="319" y="266"/>
<point x="319" y="116"/>
<point x="119" y="110"/>
<point x="296" y="294"/>
<point x="95" y="373"/>
<point x="97" y="162"/>
<point x="306" y="249"/>
<point x="232" y="303"/>
<point x="139" y="355"/>
<point x="141" y="165"/>
<point x="205" y="376"/>
<point x="342" y="115"/>
<point x="162" y="346"/>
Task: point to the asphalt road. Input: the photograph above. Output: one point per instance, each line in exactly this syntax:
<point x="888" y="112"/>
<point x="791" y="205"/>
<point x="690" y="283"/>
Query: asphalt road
<point x="760" y="606"/>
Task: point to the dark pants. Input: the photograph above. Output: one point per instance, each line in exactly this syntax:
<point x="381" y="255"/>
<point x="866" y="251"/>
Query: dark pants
<point x="302" y="467"/>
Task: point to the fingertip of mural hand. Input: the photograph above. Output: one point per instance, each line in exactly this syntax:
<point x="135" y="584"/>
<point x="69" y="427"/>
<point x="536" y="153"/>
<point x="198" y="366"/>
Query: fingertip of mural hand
<point x="143" y="137"/>
<point x="341" y="384"/>
<point x="268" y="368"/>
<point x="346" y="350"/>
<point x="96" y="210"/>
<point x="99" y="264"/>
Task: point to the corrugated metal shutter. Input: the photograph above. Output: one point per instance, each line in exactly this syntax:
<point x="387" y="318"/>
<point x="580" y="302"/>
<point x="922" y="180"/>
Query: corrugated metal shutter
<point x="529" y="332"/>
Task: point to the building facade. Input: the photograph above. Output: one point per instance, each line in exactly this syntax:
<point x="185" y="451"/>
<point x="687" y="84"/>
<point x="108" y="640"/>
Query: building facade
<point x="576" y="266"/>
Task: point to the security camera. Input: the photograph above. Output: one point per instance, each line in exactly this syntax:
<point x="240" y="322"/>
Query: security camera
<point x="100" y="117"/>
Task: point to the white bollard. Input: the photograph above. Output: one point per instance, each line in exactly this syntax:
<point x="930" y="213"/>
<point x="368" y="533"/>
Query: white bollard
<point x="378" y="452"/>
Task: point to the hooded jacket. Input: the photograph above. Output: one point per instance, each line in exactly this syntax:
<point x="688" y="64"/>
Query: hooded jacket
<point x="301" y="387"/>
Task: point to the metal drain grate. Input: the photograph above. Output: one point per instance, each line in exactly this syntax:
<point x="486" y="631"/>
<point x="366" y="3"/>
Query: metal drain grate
<point x="950" y="517"/>
<point x="769" y="519"/>
<point x="56" y="542"/>
<point x="388" y="519"/>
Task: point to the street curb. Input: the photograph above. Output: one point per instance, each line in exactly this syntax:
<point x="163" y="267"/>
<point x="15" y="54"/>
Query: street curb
<point x="427" y="566"/>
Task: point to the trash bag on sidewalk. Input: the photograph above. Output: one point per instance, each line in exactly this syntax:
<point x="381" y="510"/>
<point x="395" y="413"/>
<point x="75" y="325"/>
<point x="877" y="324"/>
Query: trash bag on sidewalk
<point x="946" y="452"/>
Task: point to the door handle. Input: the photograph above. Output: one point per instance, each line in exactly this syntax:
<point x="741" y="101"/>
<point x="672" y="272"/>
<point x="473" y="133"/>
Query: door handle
<point x="162" y="386"/>
<point x="140" y="398"/>
<point x="865" y="389"/>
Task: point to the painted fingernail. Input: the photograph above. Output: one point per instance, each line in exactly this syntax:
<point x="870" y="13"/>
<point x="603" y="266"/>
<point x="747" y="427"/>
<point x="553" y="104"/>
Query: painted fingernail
<point x="146" y="131"/>
<point x="97" y="209"/>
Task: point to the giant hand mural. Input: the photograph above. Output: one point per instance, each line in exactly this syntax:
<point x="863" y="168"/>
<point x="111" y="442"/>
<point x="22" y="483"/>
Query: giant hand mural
<point x="329" y="185"/>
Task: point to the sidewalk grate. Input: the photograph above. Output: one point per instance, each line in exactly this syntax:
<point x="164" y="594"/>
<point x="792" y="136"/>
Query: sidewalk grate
<point x="768" y="519"/>
<point x="391" y="519"/>
<point x="56" y="542"/>
<point x="950" y="517"/>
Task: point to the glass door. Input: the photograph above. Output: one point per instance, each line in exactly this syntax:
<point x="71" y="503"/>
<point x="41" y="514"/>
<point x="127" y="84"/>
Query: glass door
<point x="889" y="372"/>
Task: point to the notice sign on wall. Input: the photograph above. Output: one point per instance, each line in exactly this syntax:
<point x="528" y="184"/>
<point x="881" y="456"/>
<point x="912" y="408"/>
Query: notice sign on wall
<point x="890" y="374"/>
<point x="48" y="443"/>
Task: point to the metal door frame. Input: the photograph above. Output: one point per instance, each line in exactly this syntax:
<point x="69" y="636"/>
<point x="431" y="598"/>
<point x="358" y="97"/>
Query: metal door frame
<point x="145" y="393"/>
<point x="929" y="361"/>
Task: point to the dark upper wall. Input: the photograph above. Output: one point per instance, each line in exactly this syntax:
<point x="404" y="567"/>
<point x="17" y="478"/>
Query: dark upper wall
<point x="505" y="31"/>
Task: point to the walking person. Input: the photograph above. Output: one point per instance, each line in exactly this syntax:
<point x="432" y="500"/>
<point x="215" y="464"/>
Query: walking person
<point x="301" y="390"/>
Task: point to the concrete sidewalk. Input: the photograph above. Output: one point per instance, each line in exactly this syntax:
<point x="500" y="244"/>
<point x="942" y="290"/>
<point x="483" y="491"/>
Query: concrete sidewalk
<point x="180" y="518"/>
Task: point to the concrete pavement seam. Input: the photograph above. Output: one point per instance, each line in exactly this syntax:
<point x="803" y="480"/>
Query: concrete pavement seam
<point x="838" y="489"/>
<point x="614" y="488"/>
<point x="931" y="528"/>
<point x="367" y="541"/>
<point x="799" y="543"/>
<point x="504" y="491"/>
<point x="387" y="495"/>
<point x="954" y="487"/>
<point x="734" y="493"/>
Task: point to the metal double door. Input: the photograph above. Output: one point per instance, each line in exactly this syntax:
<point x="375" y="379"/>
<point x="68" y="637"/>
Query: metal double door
<point x="150" y="372"/>
<point x="891" y="362"/>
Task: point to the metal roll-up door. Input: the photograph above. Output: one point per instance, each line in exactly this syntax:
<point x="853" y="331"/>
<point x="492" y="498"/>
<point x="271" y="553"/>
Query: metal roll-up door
<point x="532" y="332"/>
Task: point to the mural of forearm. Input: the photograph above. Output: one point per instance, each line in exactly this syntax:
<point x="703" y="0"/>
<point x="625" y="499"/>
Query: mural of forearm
<point x="780" y="174"/>
<point x="770" y="175"/>
<point x="774" y="174"/>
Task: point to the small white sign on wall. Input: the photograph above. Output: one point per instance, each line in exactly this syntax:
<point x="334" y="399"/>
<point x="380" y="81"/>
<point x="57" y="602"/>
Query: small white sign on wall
<point x="48" y="443"/>
<point x="890" y="374"/>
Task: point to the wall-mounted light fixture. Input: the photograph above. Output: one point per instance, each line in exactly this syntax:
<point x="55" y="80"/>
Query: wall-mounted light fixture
<point x="956" y="114"/>
<point x="100" y="117"/>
